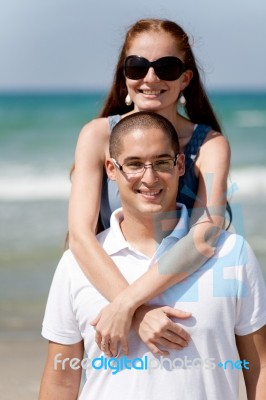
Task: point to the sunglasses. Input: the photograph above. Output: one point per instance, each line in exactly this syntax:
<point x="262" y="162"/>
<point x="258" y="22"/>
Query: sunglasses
<point x="166" y="68"/>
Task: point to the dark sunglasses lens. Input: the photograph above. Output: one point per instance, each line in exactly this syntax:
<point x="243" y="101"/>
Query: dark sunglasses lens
<point x="169" y="68"/>
<point x="166" y="68"/>
<point x="136" y="67"/>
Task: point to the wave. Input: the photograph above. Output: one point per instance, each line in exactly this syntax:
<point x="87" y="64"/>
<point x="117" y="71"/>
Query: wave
<point x="27" y="185"/>
<point x="250" y="118"/>
<point x="35" y="187"/>
<point x="248" y="183"/>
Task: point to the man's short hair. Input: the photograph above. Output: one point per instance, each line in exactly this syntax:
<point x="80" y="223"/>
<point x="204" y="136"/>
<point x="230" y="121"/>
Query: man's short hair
<point x="141" y="120"/>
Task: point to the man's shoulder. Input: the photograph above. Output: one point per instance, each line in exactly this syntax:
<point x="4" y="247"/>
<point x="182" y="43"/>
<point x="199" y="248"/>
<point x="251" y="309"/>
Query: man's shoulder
<point x="232" y="246"/>
<point x="67" y="264"/>
<point x="69" y="271"/>
<point x="67" y="257"/>
<point x="229" y="239"/>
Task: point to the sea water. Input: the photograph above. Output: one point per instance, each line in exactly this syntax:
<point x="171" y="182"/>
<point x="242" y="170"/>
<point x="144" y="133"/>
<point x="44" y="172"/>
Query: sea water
<point x="38" y="134"/>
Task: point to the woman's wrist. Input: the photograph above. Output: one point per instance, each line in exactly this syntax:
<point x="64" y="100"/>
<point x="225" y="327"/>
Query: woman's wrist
<point x="126" y="302"/>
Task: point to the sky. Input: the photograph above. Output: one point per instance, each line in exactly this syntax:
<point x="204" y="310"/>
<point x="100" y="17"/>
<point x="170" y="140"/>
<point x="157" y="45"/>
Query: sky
<point x="74" y="44"/>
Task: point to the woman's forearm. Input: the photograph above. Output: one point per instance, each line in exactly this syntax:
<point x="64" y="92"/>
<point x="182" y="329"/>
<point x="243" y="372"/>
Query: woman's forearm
<point x="163" y="275"/>
<point x="98" y="266"/>
<point x="183" y="258"/>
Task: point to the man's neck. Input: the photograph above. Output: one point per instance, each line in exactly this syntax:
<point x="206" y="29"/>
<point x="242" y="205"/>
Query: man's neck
<point x="146" y="233"/>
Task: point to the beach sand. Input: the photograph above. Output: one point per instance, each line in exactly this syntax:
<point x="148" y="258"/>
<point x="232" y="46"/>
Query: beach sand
<point x="21" y="368"/>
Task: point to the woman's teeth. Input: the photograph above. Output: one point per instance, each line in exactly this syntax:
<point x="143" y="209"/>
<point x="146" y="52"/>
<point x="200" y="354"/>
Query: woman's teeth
<point x="151" y="92"/>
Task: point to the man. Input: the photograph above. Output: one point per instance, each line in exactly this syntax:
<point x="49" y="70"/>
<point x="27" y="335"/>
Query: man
<point x="226" y="296"/>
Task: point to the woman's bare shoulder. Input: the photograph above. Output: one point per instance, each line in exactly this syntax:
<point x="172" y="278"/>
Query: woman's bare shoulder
<point x="214" y="151"/>
<point x="94" y="139"/>
<point x="216" y="141"/>
<point x="98" y="128"/>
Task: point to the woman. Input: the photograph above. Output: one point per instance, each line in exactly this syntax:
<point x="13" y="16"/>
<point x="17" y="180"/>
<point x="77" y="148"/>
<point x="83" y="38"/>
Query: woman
<point x="156" y="68"/>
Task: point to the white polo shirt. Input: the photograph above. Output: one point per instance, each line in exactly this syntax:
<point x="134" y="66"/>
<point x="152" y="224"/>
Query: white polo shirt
<point x="226" y="296"/>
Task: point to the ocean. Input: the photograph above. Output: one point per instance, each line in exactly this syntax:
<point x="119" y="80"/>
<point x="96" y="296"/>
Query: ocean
<point x="38" y="133"/>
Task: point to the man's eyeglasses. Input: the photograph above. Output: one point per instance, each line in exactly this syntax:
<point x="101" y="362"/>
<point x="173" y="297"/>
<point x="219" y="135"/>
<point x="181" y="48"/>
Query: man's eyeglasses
<point x="137" y="167"/>
<point x="166" y="68"/>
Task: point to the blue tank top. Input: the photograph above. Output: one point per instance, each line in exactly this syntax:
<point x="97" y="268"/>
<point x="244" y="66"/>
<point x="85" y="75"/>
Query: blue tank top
<point x="188" y="183"/>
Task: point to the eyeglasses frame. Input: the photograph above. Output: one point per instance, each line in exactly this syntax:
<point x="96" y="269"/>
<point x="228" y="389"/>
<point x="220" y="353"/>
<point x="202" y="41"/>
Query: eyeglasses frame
<point x="145" y="166"/>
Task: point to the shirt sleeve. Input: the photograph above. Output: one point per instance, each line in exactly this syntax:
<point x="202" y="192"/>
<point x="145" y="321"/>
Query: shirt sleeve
<point x="251" y="301"/>
<point x="60" y="324"/>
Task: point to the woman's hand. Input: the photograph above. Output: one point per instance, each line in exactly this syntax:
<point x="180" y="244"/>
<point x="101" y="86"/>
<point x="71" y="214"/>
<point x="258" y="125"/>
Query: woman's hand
<point x="112" y="325"/>
<point x="155" y="327"/>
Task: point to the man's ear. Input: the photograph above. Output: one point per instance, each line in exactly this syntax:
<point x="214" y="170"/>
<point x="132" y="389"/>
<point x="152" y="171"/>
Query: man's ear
<point x="181" y="164"/>
<point x="110" y="169"/>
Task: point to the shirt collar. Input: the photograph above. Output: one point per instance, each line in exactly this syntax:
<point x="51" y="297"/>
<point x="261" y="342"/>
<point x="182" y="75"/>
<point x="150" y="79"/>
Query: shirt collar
<point x="114" y="240"/>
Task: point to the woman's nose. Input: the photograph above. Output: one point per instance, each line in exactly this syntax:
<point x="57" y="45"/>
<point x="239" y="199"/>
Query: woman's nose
<point x="151" y="76"/>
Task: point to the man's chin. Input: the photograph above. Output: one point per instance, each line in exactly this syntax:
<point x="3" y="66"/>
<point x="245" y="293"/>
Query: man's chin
<point x="151" y="208"/>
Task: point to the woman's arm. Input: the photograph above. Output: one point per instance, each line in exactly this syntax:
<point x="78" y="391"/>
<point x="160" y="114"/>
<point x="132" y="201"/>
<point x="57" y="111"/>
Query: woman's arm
<point x="187" y="255"/>
<point x="84" y="205"/>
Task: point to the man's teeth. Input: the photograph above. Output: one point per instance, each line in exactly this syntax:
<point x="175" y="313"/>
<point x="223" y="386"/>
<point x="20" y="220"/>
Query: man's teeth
<point x="150" y="193"/>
